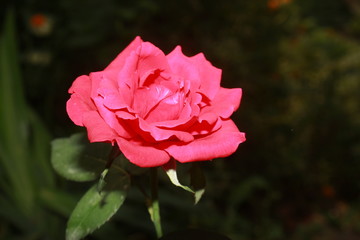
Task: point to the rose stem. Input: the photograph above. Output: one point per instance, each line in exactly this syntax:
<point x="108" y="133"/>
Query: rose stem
<point x="154" y="208"/>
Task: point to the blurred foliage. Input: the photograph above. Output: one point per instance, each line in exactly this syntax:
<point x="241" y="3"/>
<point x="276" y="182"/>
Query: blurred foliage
<point x="28" y="194"/>
<point x="298" y="63"/>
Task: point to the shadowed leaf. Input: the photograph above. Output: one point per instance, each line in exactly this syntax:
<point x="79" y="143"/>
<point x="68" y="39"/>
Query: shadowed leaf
<point x="76" y="159"/>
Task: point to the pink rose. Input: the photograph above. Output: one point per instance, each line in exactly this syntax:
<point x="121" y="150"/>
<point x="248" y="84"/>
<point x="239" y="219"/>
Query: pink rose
<point x="157" y="107"/>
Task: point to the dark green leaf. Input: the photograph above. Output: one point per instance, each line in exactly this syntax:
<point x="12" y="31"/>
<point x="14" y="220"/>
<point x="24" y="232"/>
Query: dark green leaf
<point x="76" y="159"/>
<point x="95" y="208"/>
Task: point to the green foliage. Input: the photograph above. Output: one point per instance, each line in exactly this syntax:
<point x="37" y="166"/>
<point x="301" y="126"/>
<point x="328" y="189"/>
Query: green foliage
<point x="26" y="178"/>
<point x="14" y="122"/>
<point x="95" y="208"/>
<point x="75" y="159"/>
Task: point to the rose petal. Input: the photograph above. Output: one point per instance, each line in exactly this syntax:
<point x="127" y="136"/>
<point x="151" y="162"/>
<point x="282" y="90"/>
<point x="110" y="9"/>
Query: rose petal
<point x="168" y="108"/>
<point x="128" y="76"/>
<point x="119" y="61"/>
<point x="97" y="129"/>
<point x="150" y="60"/>
<point x="112" y="71"/>
<point x="221" y="143"/>
<point x="184" y="121"/>
<point x="123" y="114"/>
<point x="141" y="155"/>
<point x="82" y="86"/>
<point x="225" y="103"/>
<point x="208" y="117"/>
<point x="113" y="99"/>
<point x="76" y="108"/>
<point x="210" y="76"/>
<point x="145" y="99"/>
<point x="187" y="116"/>
<point x="111" y="119"/>
<point x="153" y="133"/>
<point x="208" y="123"/>
<point x="183" y="66"/>
<point x="202" y="74"/>
<point x="96" y="78"/>
<point x="80" y="101"/>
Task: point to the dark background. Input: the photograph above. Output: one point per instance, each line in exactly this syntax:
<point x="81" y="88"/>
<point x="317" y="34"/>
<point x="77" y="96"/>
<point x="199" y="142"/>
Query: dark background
<point x="298" y="63"/>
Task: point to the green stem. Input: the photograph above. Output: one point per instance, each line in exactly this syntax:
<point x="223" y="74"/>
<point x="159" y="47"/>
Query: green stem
<point x="154" y="208"/>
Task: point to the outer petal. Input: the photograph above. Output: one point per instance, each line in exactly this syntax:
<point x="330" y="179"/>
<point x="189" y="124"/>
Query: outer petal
<point x="203" y="75"/>
<point x="111" y="119"/>
<point x="141" y="155"/>
<point x="151" y="59"/>
<point x="76" y="108"/>
<point x="183" y="66"/>
<point x="141" y="67"/>
<point x="80" y="101"/>
<point x="221" y="143"/>
<point x="210" y="76"/>
<point x="119" y="61"/>
<point x="128" y="76"/>
<point x="225" y="103"/>
<point x="82" y="86"/>
<point x="96" y="79"/>
<point x="98" y="130"/>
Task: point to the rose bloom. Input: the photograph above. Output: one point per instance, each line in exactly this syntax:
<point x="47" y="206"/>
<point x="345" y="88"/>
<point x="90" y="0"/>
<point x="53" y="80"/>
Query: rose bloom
<point x="158" y="107"/>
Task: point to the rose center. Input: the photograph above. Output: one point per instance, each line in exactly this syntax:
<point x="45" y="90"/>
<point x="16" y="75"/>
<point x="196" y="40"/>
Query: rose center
<point x="159" y="101"/>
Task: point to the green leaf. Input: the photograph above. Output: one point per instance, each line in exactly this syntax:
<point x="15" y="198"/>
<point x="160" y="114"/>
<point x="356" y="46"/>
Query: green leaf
<point x="76" y="159"/>
<point x="95" y="208"/>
